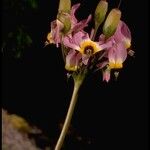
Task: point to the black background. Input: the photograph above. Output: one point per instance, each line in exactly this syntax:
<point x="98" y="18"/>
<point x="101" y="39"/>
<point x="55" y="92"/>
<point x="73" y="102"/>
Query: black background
<point x="113" y="115"/>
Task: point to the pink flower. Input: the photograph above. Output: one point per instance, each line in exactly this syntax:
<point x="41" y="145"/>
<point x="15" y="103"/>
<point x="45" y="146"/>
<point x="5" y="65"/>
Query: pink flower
<point x="121" y="41"/>
<point x="55" y="36"/>
<point x="106" y="75"/>
<point x="82" y="43"/>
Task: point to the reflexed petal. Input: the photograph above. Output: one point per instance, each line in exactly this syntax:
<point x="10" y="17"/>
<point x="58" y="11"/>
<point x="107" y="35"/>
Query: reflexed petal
<point x="121" y="52"/>
<point x="125" y="30"/>
<point x="112" y="55"/>
<point x="123" y="34"/>
<point x="56" y="27"/>
<point x="73" y="41"/>
<point x="72" y="60"/>
<point x="82" y="24"/>
<point x="106" y="45"/>
<point x="73" y="10"/>
<point x="117" y="56"/>
<point x="79" y="37"/>
<point x="112" y="58"/>
<point x="68" y="42"/>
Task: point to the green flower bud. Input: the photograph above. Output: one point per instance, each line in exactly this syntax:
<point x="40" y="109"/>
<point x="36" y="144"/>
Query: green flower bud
<point x="100" y="12"/>
<point x="111" y="22"/>
<point x="66" y="22"/>
<point x="64" y="6"/>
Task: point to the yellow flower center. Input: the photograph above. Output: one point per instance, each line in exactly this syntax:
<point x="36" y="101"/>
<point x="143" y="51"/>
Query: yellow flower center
<point x="89" y="47"/>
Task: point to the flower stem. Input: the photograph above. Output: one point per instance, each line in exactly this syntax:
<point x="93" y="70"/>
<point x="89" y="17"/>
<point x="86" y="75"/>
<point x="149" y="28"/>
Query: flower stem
<point x="77" y="84"/>
<point x="63" y="52"/>
<point x="95" y="31"/>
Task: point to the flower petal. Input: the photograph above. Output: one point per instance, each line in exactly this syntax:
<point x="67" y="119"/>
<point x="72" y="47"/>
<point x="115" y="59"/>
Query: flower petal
<point x="73" y="41"/>
<point x="121" y="52"/>
<point x="106" y="45"/>
<point x="72" y="60"/>
<point x="69" y="42"/>
<point x="80" y="36"/>
<point x="82" y="24"/>
<point x="125" y="30"/>
<point x="117" y="55"/>
<point x="112" y="55"/>
<point x="123" y="34"/>
<point x="73" y="10"/>
<point x="56" y="27"/>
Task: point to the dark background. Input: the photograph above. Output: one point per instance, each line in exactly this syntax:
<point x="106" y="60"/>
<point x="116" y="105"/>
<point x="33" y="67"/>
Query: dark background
<point x="113" y="115"/>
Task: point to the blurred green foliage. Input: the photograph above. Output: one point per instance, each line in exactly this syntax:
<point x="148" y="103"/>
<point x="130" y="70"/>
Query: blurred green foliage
<point x="16" y="37"/>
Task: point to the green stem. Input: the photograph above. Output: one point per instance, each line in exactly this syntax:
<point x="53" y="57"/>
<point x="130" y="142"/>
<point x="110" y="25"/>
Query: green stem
<point x="95" y="31"/>
<point x="63" y="51"/>
<point x="77" y="84"/>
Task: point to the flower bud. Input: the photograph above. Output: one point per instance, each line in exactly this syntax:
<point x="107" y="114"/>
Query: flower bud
<point x="65" y="19"/>
<point x="111" y="22"/>
<point x="100" y="12"/>
<point x="63" y="10"/>
<point x="106" y="74"/>
<point x="64" y="6"/>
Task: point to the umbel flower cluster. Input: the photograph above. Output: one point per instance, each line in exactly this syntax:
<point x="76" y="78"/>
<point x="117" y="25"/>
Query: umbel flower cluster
<point x="81" y="50"/>
<point x="85" y="52"/>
